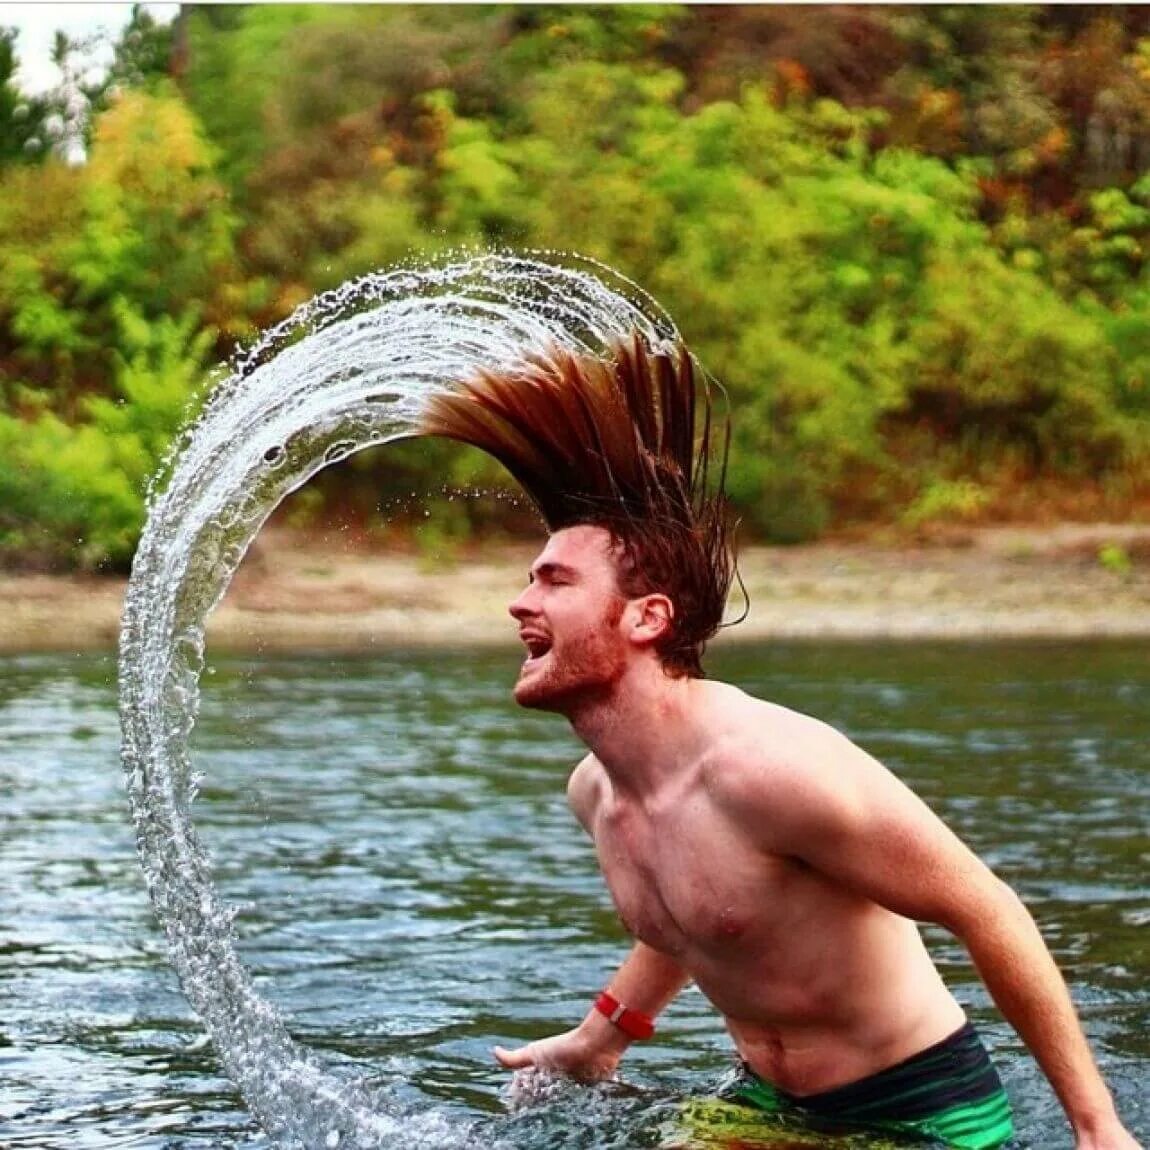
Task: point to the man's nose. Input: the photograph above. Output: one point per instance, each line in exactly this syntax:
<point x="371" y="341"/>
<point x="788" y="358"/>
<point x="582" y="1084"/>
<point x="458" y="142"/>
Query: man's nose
<point x="519" y="607"/>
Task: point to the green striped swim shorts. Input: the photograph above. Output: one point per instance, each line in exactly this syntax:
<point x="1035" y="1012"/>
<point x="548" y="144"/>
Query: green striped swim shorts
<point x="949" y="1093"/>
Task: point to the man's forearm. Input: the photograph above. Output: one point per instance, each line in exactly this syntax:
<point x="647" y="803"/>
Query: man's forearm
<point x="647" y="980"/>
<point x="1026" y="984"/>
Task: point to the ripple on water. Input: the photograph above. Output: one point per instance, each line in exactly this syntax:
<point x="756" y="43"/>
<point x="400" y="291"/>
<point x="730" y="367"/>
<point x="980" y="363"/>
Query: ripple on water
<point x="407" y="973"/>
<point x="310" y="394"/>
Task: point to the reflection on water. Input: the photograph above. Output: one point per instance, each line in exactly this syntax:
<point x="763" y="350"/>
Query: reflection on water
<point x="413" y="890"/>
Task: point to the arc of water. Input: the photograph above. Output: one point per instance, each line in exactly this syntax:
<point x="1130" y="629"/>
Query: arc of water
<point x="349" y="370"/>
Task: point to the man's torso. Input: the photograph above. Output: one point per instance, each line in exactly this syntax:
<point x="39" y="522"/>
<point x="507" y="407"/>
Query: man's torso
<point x="818" y="985"/>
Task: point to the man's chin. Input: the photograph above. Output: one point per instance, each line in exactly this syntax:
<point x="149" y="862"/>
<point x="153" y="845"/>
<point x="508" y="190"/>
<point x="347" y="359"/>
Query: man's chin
<point x="535" y="694"/>
<point x="538" y="690"/>
<point x="564" y="696"/>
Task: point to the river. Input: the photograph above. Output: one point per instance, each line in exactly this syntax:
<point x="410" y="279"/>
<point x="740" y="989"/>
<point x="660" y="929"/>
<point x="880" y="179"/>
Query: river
<point x="412" y="890"/>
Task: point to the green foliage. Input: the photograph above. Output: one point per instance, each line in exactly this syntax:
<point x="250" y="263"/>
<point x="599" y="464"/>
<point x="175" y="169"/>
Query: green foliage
<point x="911" y="242"/>
<point x="845" y="296"/>
<point x="143" y="53"/>
<point x="1127" y="332"/>
<point x="151" y="178"/>
<point x="144" y="221"/>
<point x="14" y="108"/>
<point x="946" y="500"/>
<point x="551" y="35"/>
<point x="235" y="68"/>
<point x="479" y="196"/>
<point x="1116" y="559"/>
<point x="74" y="493"/>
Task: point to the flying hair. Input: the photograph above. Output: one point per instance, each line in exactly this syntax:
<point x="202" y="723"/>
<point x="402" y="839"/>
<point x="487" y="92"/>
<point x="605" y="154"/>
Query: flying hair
<point x="624" y="441"/>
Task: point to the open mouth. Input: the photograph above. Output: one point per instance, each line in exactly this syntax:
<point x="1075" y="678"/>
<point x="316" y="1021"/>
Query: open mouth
<point x="537" y="646"/>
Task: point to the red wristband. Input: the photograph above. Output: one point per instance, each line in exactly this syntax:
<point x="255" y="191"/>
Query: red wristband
<point x="631" y="1022"/>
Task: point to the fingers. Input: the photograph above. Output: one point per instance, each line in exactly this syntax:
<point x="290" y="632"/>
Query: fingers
<point x="514" y="1059"/>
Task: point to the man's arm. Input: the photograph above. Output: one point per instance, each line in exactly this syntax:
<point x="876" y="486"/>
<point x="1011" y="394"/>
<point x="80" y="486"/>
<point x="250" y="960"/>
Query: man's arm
<point x="1013" y="961"/>
<point x="646" y="982"/>
<point x="847" y="816"/>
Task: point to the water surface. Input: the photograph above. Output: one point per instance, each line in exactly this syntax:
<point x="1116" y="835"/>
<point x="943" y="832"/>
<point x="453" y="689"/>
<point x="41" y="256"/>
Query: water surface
<point x="412" y="889"/>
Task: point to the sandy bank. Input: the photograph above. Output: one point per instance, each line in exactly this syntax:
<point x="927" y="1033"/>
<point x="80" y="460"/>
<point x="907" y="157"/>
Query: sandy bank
<point x="314" y="594"/>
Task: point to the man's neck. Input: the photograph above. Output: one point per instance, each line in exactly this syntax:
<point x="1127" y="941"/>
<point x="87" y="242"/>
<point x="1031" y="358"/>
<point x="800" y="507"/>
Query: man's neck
<point x="645" y="731"/>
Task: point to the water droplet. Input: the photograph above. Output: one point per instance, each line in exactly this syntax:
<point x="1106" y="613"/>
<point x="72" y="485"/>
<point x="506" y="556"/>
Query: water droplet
<point x="350" y="369"/>
<point x="338" y="451"/>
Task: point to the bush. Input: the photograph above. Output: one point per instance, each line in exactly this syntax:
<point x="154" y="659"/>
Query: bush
<point x="73" y="495"/>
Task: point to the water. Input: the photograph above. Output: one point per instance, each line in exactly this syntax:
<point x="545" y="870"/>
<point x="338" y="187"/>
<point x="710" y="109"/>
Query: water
<point x="413" y="889"/>
<point x="349" y="370"/>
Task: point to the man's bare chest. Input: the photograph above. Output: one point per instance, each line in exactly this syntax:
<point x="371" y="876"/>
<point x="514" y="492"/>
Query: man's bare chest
<point x="689" y="884"/>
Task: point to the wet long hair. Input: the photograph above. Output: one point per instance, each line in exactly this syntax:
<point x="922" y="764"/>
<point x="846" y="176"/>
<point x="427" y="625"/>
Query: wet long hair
<point x="624" y="441"/>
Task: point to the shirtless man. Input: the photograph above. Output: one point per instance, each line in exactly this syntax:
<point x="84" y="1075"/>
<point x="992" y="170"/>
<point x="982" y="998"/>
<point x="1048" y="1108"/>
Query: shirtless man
<point x="749" y="848"/>
<point x="760" y="853"/>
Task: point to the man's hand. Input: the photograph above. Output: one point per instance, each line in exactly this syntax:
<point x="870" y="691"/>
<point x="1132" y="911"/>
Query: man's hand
<point x="1111" y="1137"/>
<point x="646" y="981"/>
<point x="588" y="1053"/>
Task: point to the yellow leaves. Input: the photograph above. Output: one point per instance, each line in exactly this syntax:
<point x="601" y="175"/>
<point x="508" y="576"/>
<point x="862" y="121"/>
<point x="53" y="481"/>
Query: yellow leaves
<point x="935" y="120"/>
<point x="290" y="296"/>
<point x="1055" y="145"/>
<point x="1140" y="60"/>
<point x="147" y="144"/>
<point x="381" y="156"/>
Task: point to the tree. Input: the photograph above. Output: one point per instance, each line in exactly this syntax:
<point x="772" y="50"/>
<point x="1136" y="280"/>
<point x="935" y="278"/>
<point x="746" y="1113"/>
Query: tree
<point x="145" y="222"/>
<point x="144" y="52"/>
<point x="19" y="114"/>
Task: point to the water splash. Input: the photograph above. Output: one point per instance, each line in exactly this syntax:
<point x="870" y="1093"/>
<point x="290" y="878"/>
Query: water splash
<point x="349" y="370"/>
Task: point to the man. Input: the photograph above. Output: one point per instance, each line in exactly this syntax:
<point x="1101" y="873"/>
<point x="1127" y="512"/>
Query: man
<point x="748" y="848"/>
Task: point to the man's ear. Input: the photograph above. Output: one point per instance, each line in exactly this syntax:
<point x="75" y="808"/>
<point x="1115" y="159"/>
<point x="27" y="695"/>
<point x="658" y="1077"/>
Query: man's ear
<point x="654" y="617"/>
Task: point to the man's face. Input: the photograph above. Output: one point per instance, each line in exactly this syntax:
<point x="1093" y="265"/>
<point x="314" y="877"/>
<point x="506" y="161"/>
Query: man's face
<point x="569" y="618"/>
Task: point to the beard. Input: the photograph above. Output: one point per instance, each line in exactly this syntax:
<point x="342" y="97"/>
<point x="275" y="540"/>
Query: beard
<point x="579" y="672"/>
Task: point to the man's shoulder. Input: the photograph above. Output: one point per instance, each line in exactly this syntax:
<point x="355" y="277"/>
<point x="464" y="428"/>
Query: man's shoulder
<point x="748" y="728"/>
<point x="585" y="787"/>
<point x="766" y="752"/>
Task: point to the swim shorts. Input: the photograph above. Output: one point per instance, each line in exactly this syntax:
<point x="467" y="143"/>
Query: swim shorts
<point x="949" y="1093"/>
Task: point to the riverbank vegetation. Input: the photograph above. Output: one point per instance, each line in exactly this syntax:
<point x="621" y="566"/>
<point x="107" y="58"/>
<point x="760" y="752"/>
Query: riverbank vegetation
<point x="912" y="241"/>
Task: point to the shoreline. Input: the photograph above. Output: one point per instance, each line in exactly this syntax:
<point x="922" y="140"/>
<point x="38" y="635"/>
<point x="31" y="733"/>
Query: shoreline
<point x="315" y="593"/>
